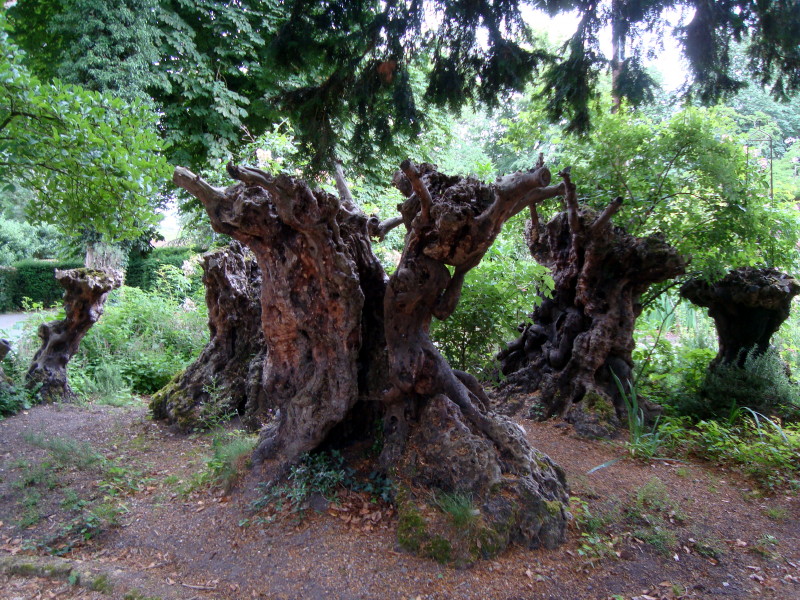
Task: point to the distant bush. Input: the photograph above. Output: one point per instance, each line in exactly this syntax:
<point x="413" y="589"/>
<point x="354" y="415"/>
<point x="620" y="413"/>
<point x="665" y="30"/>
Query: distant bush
<point x="146" y="338"/>
<point x="143" y="270"/>
<point x="20" y="240"/>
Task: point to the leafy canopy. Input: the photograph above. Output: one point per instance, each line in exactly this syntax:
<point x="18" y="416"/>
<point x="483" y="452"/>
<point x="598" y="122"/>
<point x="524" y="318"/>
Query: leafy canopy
<point x="93" y="159"/>
<point x="343" y="71"/>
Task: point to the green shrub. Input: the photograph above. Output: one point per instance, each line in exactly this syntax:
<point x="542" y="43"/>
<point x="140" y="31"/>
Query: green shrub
<point x="761" y="384"/>
<point x="13" y="399"/>
<point x="143" y="270"/>
<point x="143" y="338"/>
<point x="760" y="448"/>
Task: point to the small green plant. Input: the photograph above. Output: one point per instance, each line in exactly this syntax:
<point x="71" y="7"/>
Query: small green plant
<point x="642" y="443"/>
<point x="231" y="455"/>
<point x="101" y="583"/>
<point x="315" y="474"/>
<point x="67" y="452"/>
<point x="459" y="508"/>
<point x="13" y="399"/>
<point x="776" y="513"/>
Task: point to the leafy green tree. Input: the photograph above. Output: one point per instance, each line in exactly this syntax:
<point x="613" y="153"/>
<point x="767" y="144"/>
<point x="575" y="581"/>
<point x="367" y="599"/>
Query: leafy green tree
<point x="93" y="159"/>
<point x="687" y="176"/>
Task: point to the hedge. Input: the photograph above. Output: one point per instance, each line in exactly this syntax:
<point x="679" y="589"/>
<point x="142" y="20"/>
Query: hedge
<point x="34" y="279"/>
<point x="141" y="272"/>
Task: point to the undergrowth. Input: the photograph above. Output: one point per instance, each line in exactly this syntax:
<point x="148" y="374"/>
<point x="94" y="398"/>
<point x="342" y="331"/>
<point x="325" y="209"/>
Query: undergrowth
<point x="320" y="473"/>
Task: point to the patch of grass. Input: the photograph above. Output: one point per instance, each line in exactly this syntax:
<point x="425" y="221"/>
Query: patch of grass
<point x="101" y="583"/>
<point x="231" y="457"/>
<point x="459" y="508"/>
<point x="762" y="448"/>
<point x="68" y="452"/>
<point x="776" y="513"/>
<point x="657" y="536"/>
<point x="37" y="474"/>
<point x="767" y="546"/>
<point x="30" y="509"/>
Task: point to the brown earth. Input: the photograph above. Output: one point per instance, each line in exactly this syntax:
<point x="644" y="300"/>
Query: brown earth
<point x="664" y="529"/>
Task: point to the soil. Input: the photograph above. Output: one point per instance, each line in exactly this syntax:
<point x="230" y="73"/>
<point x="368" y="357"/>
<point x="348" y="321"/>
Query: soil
<point x="662" y="529"/>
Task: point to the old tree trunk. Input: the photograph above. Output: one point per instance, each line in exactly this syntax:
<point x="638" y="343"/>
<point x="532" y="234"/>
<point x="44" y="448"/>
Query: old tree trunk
<point x="748" y="305"/>
<point x="85" y="294"/>
<point x="226" y="377"/>
<point x="584" y="333"/>
<point x="346" y="348"/>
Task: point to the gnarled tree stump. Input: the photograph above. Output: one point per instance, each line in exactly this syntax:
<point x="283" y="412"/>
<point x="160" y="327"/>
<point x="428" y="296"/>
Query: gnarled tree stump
<point x="438" y="431"/>
<point x="584" y="332"/>
<point x="85" y="295"/>
<point x="330" y="359"/>
<point x="227" y="376"/>
<point x="748" y="305"/>
<point x="321" y="302"/>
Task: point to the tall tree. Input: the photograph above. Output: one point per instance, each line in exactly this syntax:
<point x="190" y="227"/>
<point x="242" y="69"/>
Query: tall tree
<point x="93" y="159"/>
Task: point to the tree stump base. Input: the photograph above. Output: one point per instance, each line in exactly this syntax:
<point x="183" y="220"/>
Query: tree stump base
<point x="84" y="297"/>
<point x="227" y="376"/>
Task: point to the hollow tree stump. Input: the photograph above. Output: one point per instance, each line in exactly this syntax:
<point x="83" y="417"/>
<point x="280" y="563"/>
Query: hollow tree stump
<point x="84" y="297"/>
<point x="584" y="332"/>
<point x="227" y="376"/>
<point x="748" y="306"/>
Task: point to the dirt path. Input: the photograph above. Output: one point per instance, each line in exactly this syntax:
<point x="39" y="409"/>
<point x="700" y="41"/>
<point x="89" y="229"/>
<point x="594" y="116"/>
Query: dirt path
<point x="139" y="519"/>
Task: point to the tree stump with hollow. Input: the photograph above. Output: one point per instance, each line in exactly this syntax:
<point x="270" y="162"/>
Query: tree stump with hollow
<point x="342" y="345"/>
<point x="584" y="332"/>
<point x="84" y="298"/>
<point x="438" y="430"/>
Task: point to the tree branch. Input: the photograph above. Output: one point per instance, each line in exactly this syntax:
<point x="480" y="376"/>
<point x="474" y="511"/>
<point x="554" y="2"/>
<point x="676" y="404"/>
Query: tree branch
<point x="410" y="171"/>
<point x="378" y="229"/>
<point x="605" y="216"/>
<point x="197" y="187"/>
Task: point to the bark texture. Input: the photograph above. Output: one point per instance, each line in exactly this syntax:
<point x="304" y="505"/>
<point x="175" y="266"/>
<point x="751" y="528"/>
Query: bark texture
<point x="5" y="348"/>
<point x="439" y="432"/>
<point x="748" y="305"/>
<point x="585" y="331"/>
<point x="227" y="376"/>
<point x="85" y="294"/>
<point x="322" y="289"/>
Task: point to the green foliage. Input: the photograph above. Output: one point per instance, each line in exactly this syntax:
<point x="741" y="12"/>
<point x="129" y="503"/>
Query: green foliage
<point x="231" y="455"/>
<point x="761" y="383"/>
<point x="686" y="176"/>
<point x="321" y="473"/>
<point x="144" y="337"/>
<point x="641" y="442"/>
<point x="143" y="270"/>
<point x="92" y="158"/>
<point x="459" y="508"/>
<point x="32" y="281"/>
<point x="496" y="297"/>
<point x="20" y="240"/>
<point x="770" y="454"/>
<point x="13" y="399"/>
<point x="318" y="473"/>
